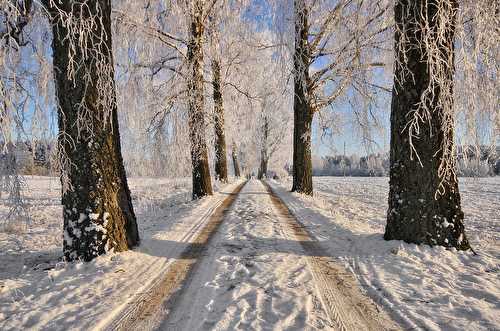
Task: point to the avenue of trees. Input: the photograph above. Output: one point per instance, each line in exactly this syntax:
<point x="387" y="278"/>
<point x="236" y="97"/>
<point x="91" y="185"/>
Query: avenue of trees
<point x="210" y="88"/>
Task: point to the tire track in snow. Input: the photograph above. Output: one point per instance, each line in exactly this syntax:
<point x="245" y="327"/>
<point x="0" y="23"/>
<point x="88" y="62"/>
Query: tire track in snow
<point x="346" y="306"/>
<point x="251" y="276"/>
<point x="139" y="313"/>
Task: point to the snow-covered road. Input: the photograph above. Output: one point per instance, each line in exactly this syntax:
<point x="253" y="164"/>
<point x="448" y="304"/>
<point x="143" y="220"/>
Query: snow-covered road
<point x="255" y="274"/>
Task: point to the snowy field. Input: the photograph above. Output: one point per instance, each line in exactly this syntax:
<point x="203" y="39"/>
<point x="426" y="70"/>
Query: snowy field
<point x="420" y="287"/>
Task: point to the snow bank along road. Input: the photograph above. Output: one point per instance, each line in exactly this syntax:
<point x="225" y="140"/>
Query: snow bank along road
<point x="259" y="270"/>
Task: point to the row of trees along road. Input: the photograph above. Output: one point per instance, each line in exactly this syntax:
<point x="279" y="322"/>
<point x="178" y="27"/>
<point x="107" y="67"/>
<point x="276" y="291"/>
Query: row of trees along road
<point x="334" y="50"/>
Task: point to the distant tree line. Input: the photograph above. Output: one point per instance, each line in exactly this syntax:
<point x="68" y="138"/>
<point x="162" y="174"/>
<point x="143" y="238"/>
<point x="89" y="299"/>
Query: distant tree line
<point x="472" y="161"/>
<point x="478" y="161"/>
<point x="31" y="158"/>
<point x="373" y="165"/>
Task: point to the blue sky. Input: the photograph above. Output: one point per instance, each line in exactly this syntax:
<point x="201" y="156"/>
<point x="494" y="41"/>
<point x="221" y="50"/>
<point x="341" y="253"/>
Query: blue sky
<point x="350" y="135"/>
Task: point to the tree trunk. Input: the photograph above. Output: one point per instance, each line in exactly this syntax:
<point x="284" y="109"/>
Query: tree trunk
<point x="263" y="148"/>
<point x="220" y="138"/>
<point x="98" y="213"/>
<point x="303" y="113"/>
<point x="262" y="168"/>
<point x="202" y="184"/>
<point x="417" y="213"/>
<point x="236" y="164"/>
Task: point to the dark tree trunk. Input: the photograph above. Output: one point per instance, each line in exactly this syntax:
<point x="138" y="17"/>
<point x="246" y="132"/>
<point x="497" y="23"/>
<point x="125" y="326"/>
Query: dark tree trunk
<point x="236" y="164"/>
<point x="263" y="149"/>
<point x="202" y="185"/>
<point x="263" y="168"/>
<point x="303" y="113"/>
<point x="98" y="213"/>
<point x="416" y="213"/>
<point x="220" y="138"/>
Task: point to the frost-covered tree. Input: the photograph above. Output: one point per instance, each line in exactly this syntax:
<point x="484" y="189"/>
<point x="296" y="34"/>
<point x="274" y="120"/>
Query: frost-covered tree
<point x="13" y="183"/>
<point x="272" y="125"/>
<point x="236" y="163"/>
<point x="202" y="184"/>
<point x="332" y="55"/>
<point x="220" y="137"/>
<point x="424" y="199"/>
<point x="218" y="99"/>
<point x="168" y="39"/>
<point x="97" y="207"/>
<point x="16" y="77"/>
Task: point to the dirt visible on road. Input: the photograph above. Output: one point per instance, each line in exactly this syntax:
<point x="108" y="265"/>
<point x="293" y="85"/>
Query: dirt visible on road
<point x="169" y="287"/>
<point x="337" y="290"/>
<point x="346" y="306"/>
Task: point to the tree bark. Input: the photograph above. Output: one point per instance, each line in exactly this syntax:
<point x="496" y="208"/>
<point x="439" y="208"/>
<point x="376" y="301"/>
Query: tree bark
<point x="303" y="112"/>
<point x="263" y="168"/>
<point x="220" y="137"/>
<point x="202" y="185"/>
<point x="264" y="157"/>
<point x="236" y="164"/>
<point x="98" y="213"/>
<point x="416" y="213"/>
